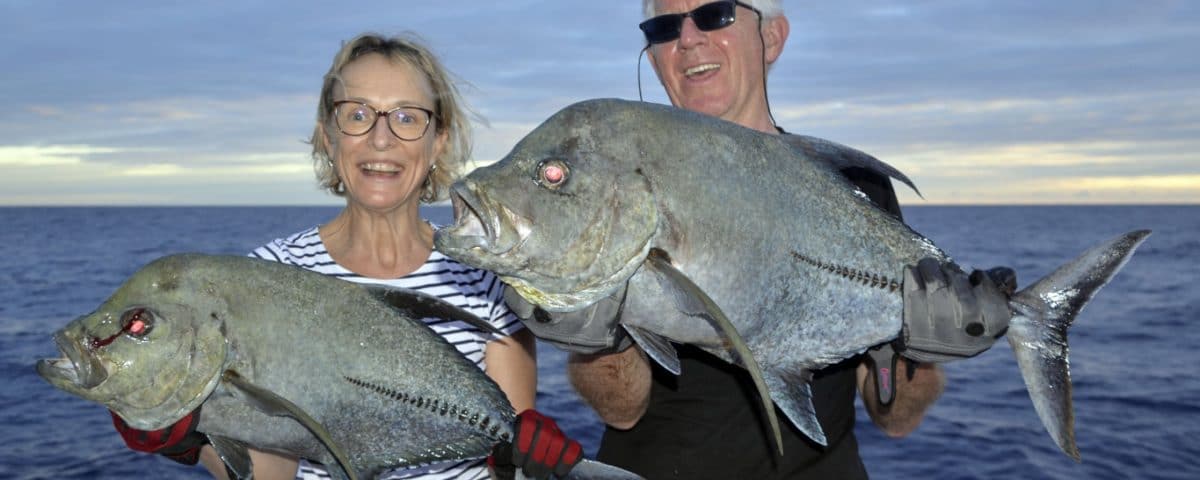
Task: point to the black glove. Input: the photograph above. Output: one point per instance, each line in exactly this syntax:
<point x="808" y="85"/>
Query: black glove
<point x="538" y="448"/>
<point x="179" y="441"/>
<point x="949" y="315"/>
<point x="883" y="361"/>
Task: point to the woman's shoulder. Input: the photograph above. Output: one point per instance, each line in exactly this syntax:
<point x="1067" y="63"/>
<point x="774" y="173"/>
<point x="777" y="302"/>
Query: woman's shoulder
<point x="303" y="248"/>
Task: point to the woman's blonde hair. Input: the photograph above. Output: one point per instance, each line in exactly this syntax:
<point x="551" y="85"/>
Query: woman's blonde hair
<point x="449" y="111"/>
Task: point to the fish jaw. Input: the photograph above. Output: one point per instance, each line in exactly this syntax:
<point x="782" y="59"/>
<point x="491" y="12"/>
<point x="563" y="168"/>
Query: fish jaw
<point x="486" y="232"/>
<point x="77" y="371"/>
<point x="595" y="243"/>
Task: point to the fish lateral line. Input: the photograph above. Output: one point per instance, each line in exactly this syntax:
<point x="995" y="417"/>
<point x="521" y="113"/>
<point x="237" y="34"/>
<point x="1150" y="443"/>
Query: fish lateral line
<point x="873" y="280"/>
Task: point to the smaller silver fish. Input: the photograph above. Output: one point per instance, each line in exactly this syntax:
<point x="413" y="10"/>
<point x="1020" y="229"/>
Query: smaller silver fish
<point x="287" y="360"/>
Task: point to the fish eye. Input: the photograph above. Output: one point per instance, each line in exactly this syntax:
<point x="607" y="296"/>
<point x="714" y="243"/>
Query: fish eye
<point x="553" y="174"/>
<point x="137" y="322"/>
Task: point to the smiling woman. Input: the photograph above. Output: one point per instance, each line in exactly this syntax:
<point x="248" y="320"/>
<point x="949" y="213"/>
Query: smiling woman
<point x="391" y="134"/>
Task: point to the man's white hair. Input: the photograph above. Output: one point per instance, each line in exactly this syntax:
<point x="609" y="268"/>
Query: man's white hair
<point x="769" y="8"/>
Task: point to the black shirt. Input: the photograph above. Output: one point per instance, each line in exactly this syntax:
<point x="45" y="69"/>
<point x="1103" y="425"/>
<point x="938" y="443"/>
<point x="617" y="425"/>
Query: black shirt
<point x="707" y="423"/>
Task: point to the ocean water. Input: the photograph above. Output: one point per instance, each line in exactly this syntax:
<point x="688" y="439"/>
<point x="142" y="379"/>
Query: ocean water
<point x="1137" y="399"/>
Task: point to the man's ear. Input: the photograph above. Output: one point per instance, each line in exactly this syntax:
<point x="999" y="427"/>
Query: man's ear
<point x="775" y="34"/>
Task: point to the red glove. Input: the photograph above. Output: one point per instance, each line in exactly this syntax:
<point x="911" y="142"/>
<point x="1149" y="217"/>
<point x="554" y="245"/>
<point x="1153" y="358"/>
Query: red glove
<point x="179" y="441"/>
<point x="539" y="449"/>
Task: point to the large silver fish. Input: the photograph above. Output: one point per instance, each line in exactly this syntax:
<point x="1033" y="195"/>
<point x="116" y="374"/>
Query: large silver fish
<point x="284" y="359"/>
<point x="700" y="231"/>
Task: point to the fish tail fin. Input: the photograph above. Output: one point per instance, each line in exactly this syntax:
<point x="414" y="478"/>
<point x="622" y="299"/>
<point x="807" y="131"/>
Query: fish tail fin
<point x="1043" y="312"/>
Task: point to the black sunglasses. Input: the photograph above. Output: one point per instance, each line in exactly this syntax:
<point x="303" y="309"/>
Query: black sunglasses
<point x="708" y="17"/>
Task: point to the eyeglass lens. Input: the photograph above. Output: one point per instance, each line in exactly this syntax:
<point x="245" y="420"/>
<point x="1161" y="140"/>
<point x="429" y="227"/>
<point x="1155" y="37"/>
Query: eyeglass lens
<point x="708" y="17"/>
<point x="408" y="123"/>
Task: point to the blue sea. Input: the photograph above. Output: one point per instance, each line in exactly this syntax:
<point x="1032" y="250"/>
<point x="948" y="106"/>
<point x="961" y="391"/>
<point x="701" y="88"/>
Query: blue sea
<point x="1133" y="349"/>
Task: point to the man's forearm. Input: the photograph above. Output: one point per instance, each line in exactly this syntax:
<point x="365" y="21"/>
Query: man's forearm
<point x="913" y="397"/>
<point x="616" y="385"/>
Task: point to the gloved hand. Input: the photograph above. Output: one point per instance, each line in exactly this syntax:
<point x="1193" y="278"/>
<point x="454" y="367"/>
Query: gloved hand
<point x="538" y="448"/>
<point x="179" y="441"/>
<point x="949" y="315"/>
<point x="595" y="329"/>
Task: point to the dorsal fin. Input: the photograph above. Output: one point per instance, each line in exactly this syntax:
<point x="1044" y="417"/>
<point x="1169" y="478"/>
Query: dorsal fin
<point x="842" y="157"/>
<point x="421" y="305"/>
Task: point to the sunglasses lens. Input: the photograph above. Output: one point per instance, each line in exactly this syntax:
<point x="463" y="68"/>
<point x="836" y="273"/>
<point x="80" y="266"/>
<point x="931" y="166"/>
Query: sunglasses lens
<point x="708" y="17"/>
<point x="714" y="15"/>
<point x="662" y="28"/>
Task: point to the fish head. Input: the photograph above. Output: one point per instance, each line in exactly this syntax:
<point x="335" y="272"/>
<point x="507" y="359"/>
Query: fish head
<point x="566" y="217"/>
<point x="146" y="353"/>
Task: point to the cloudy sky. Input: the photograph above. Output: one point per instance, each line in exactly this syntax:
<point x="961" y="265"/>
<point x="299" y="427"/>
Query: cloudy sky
<point x="161" y="102"/>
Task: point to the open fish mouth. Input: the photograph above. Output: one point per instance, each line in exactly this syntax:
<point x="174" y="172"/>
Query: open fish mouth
<point x="480" y="229"/>
<point x="469" y="224"/>
<point x="76" y="367"/>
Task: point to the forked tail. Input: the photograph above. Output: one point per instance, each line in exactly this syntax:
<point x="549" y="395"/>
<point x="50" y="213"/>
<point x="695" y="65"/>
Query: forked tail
<point x="1038" y="330"/>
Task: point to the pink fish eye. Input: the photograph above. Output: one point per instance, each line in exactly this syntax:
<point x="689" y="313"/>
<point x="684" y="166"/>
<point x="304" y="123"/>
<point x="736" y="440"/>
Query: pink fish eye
<point x="137" y="322"/>
<point x="553" y="173"/>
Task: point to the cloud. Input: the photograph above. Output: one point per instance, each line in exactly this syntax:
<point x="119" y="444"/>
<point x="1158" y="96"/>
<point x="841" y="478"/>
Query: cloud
<point x="995" y="101"/>
<point x="49" y="155"/>
<point x="1162" y="184"/>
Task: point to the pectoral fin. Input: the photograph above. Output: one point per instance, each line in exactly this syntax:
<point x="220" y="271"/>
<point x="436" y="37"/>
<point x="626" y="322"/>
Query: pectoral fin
<point x="271" y="404"/>
<point x="656" y="347"/>
<point x="235" y="455"/>
<point x="421" y="305"/>
<point x="691" y="300"/>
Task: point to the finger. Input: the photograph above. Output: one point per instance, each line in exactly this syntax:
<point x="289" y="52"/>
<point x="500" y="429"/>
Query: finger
<point x="960" y="301"/>
<point x="526" y="430"/>
<point x="554" y="445"/>
<point x="538" y="465"/>
<point x="916" y="308"/>
<point x="1005" y="279"/>
<point x="571" y="456"/>
<point x="930" y="270"/>
<point x="916" y="304"/>
<point x="994" y="306"/>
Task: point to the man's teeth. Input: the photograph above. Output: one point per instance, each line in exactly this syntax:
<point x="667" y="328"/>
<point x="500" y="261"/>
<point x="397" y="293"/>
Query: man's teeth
<point x="380" y="167"/>
<point x="701" y="69"/>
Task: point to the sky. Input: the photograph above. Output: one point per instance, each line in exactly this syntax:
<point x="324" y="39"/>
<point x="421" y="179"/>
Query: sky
<point x="161" y="102"/>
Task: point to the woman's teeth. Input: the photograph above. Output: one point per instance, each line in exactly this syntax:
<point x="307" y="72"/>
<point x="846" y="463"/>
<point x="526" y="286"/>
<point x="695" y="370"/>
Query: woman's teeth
<point x="379" y="168"/>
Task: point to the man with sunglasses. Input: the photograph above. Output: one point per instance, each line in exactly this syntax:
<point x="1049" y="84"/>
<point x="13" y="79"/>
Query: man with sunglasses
<point x="712" y="57"/>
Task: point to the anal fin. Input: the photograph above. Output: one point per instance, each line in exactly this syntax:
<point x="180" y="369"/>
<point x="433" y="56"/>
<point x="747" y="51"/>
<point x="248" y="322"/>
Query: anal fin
<point x="793" y="395"/>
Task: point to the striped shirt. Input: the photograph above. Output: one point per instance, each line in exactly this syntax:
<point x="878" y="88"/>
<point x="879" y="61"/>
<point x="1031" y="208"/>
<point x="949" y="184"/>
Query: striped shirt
<point x="477" y="291"/>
